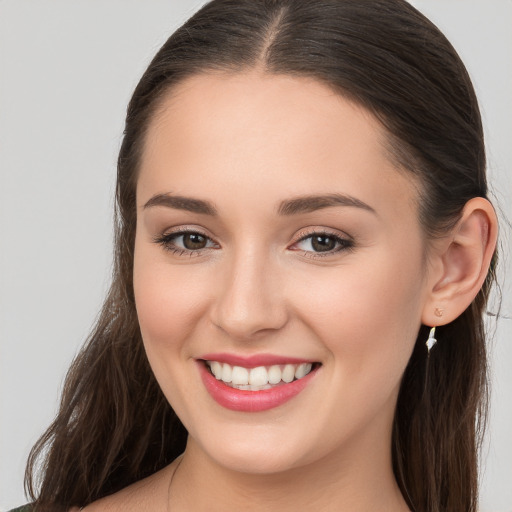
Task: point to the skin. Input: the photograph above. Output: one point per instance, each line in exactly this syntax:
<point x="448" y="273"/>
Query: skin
<point x="246" y="143"/>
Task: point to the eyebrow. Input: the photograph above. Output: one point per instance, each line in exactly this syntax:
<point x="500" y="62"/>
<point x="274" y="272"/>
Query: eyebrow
<point x="295" y="206"/>
<point x="182" y="203"/>
<point x="307" y="204"/>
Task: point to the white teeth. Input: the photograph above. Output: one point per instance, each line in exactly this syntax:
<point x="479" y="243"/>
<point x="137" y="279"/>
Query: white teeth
<point x="240" y="375"/>
<point x="226" y="372"/>
<point x="216" y="368"/>
<point x="274" y="374"/>
<point x="302" y="370"/>
<point x="261" y="377"/>
<point x="258" y="376"/>
<point x="288" y="373"/>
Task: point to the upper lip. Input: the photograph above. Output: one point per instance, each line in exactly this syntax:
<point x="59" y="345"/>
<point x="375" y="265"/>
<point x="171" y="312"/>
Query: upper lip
<point x="254" y="360"/>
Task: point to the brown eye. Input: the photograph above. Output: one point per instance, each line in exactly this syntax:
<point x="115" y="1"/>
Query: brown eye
<point x="194" y="241"/>
<point x="323" y="243"/>
<point x="185" y="242"/>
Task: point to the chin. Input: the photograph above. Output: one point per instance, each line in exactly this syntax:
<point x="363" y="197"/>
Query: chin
<point x="256" y="451"/>
<point x="255" y="462"/>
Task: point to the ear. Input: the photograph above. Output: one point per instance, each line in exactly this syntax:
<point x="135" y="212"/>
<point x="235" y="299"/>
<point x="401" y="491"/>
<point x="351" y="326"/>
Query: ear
<point x="460" y="262"/>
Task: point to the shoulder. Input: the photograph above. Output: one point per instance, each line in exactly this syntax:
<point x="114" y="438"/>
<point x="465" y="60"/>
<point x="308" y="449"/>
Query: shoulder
<point x="145" y="495"/>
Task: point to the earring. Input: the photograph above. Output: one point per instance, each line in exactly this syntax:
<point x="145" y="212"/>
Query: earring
<point x="431" y="340"/>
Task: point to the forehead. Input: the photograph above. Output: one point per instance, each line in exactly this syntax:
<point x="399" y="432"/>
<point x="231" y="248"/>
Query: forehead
<point x="267" y="134"/>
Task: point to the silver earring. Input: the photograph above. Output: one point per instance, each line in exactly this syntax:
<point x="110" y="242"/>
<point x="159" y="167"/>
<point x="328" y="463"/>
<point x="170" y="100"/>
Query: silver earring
<point x="431" y="340"/>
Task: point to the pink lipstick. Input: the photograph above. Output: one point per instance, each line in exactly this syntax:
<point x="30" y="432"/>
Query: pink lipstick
<point x="245" y="400"/>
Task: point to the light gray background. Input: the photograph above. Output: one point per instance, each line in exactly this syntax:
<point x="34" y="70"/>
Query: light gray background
<point x="67" y="69"/>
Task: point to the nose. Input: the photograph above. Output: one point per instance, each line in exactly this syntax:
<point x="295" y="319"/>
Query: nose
<point x="250" y="300"/>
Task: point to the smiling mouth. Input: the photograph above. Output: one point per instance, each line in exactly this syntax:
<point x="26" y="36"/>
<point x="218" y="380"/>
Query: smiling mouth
<point x="260" y="377"/>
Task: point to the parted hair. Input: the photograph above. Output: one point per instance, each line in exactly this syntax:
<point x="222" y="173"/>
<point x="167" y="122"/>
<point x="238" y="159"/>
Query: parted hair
<point x="114" y="425"/>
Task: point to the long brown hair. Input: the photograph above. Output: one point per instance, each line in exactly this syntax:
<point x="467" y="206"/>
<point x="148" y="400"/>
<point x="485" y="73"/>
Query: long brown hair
<point x="114" y="426"/>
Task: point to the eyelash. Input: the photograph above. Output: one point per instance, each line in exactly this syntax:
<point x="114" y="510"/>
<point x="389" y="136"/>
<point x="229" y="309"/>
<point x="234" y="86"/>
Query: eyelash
<point x="344" y="244"/>
<point x="167" y="242"/>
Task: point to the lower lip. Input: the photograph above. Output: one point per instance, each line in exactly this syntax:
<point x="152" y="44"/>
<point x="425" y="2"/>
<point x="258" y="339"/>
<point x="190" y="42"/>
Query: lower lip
<point x="252" y="401"/>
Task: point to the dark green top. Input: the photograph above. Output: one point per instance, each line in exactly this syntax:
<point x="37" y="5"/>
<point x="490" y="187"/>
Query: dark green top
<point x="24" y="508"/>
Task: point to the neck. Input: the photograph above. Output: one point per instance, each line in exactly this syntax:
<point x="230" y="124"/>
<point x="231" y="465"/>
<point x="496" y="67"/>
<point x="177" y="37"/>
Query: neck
<point x="336" y="482"/>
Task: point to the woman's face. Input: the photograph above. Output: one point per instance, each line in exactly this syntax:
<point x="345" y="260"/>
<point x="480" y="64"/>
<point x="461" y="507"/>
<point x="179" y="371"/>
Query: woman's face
<point x="274" y="233"/>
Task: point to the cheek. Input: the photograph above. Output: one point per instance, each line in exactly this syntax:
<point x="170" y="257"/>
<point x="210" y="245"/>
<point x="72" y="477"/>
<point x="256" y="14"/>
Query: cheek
<point x="169" y="301"/>
<point x="384" y="290"/>
<point x="367" y="315"/>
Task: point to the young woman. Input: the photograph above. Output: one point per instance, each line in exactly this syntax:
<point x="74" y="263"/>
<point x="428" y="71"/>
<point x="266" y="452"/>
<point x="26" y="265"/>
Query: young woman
<point x="303" y="249"/>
